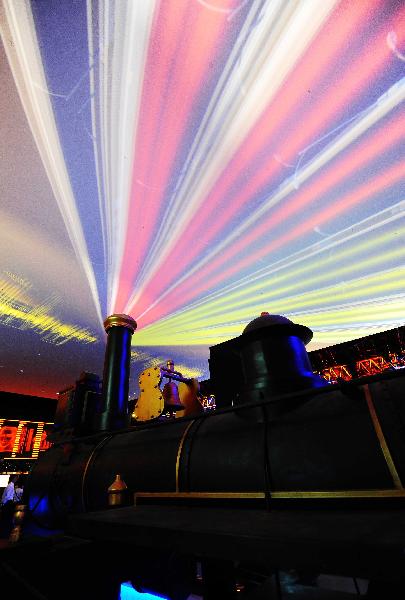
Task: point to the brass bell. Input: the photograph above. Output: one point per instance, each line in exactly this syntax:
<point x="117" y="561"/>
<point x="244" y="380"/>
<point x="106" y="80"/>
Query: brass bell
<point x="170" y="392"/>
<point x="171" y="397"/>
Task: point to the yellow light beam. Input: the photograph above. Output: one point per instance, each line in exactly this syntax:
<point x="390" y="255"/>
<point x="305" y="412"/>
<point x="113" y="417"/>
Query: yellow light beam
<point x="21" y="316"/>
<point x="351" y="321"/>
<point x="260" y="295"/>
<point x="362" y="289"/>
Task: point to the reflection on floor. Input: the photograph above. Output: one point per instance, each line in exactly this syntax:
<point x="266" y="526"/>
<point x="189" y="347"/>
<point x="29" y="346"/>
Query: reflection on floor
<point x="128" y="593"/>
<point x="292" y="585"/>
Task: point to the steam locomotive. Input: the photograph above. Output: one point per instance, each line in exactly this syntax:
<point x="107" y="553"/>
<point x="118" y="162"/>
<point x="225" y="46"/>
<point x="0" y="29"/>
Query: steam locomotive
<point x="285" y="440"/>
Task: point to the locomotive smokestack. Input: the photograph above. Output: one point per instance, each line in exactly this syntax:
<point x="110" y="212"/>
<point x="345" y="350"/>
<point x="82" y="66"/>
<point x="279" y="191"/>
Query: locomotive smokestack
<point x="114" y="414"/>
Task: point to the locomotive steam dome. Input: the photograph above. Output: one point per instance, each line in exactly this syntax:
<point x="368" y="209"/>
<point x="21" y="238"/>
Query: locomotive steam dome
<point x="266" y="319"/>
<point x="274" y="359"/>
<point x="283" y="324"/>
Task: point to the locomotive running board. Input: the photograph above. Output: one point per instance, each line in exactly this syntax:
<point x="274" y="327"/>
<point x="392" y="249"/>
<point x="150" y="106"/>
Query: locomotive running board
<point x="276" y="495"/>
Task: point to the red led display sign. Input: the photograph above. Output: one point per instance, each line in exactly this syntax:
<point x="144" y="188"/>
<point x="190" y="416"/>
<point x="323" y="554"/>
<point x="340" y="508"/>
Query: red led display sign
<point x="23" y="439"/>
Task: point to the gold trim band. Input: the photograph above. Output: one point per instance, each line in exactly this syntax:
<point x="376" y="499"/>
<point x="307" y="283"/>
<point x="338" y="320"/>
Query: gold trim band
<point x="213" y="495"/>
<point x="120" y="321"/>
<point x="393" y="493"/>
<point x="380" y="435"/>
<point x="180" y="448"/>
